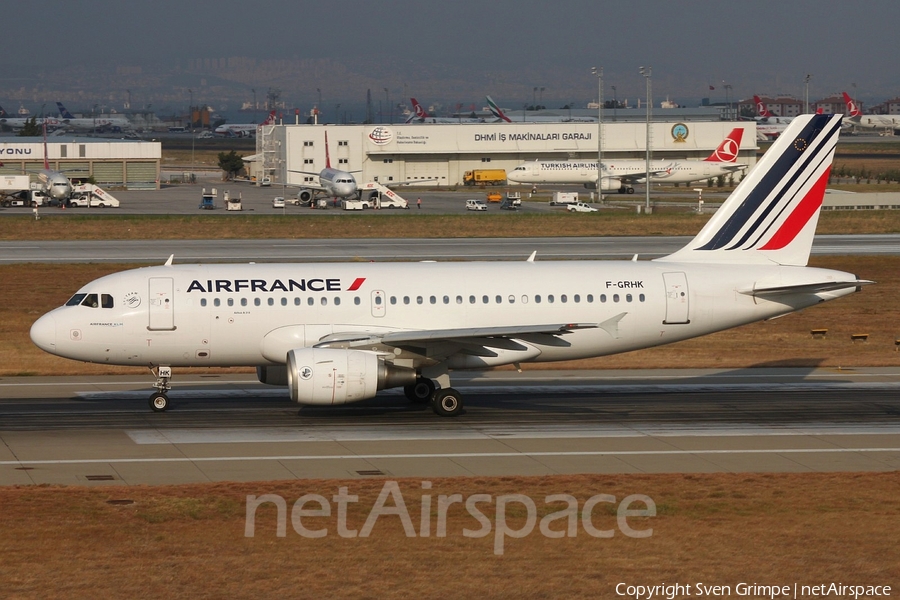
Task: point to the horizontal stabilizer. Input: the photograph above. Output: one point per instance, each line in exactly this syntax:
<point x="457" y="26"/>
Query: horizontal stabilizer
<point x="806" y="288"/>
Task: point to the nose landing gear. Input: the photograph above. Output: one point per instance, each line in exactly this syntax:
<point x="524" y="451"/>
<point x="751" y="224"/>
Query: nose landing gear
<point x="159" y="400"/>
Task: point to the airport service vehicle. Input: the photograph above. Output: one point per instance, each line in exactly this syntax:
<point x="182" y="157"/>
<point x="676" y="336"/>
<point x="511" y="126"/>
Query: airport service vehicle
<point x="337" y="333"/>
<point x="513" y="201"/>
<point x="580" y="207"/>
<point x="484" y="177"/>
<point x="473" y="204"/>
<point x="563" y="198"/>
<point x="231" y="203"/>
<point x="494" y="197"/>
<point x="89" y="195"/>
<point x="208" y="199"/>
<point x="278" y="202"/>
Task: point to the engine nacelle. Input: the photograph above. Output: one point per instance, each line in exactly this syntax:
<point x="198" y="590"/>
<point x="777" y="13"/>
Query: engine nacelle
<point x="329" y="376"/>
<point x="306" y="195"/>
<point x="609" y="185"/>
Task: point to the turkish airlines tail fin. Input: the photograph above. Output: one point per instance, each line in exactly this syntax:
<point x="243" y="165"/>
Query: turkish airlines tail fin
<point x="420" y="112"/>
<point x="495" y="110"/>
<point x="2" y="112"/>
<point x="771" y="216"/>
<point x="270" y="120"/>
<point x="852" y="107"/>
<point x="761" y="108"/>
<point x="63" y="111"/>
<point x="728" y="149"/>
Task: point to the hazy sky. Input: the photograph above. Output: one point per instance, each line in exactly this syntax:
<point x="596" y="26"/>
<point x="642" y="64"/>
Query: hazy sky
<point x="757" y="46"/>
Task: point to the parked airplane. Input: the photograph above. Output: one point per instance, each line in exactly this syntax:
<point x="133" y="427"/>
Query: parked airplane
<point x="622" y="174"/>
<point x="535" y="118"/>
<point x="54" y="184"/>
<point x="420" y="115"/>
<point x="857" y="118"/>
<point x="338" y="333"/>
<point x="17" y="123"/>
<point x="768" y="125"/>
<point x="243" y="129"/>
<point x="90" y="124"/>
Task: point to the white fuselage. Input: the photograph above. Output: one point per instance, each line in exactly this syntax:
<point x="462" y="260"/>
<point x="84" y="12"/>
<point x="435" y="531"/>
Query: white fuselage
<point x="55" y="184"/>
<point x="618" y="170"/>
<point x="337" y="183"/>
<point x="876" y="121"/>
<point x="228" y="315"/>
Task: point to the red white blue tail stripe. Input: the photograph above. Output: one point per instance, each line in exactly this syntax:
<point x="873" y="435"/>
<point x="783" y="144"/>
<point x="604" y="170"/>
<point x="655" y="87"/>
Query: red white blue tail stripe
<point x="771" y="216"/>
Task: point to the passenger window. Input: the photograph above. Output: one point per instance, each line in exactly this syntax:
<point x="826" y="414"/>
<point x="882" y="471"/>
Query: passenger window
<point x="217" y="302"/>
<point x="324" y="301"/>
<point x="615" y="297"/>
<point x="602" y="297"/>
<point x="284" y="301"/>
<point x="471" y="299"/>
<point x="106" y="301"/>
<point x="628" y="297"/>
<point x="393" y="300"/>
<point x="537" y="298"/>
<point x="550" y="298"/>
<point x="485" y="299"/>
<point x="310" y="301"/>
<point x="271" y="302"/>
<point x="405" y="299"/>
<point x="419" y="300"/>
<point x="641" y="297"/>
<point x="590" y="297"/>
<point x="577" y="298"/>
<point x="337" y="300"/>
<point x="243" y="302"/>
<point x="433" y="300"/>
<point x="459" y="300"/>
<point x="511" y="299"/>
<point x="563" y="298"/>
<point x="446" y="299"/>
<point x="296" y="301"/>
<point x="256" y="302"/>
<point x="499" y="299"/>
<point x="524" y="299"/>
<point x="230" y="302"/>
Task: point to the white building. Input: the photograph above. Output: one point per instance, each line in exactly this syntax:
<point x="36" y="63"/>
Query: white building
<point x="439" y="154"/>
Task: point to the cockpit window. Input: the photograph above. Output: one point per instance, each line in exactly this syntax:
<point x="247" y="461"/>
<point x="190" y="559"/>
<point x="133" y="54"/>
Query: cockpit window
<point x="106" y="300"/>
<point x="90" y="300"/>
<point x="75" y="300"/>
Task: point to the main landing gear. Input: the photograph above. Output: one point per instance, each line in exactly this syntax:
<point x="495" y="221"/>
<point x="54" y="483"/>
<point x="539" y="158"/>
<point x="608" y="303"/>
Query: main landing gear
<point x="445" y="402"/>
<point x="159" y="400"/>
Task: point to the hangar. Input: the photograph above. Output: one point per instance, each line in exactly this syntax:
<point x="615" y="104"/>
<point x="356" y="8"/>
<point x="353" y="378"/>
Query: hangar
<point x="440" y="154"/>
<point x="133" y="165"/>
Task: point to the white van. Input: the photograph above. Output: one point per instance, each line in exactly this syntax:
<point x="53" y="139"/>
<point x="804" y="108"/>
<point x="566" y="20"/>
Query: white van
<point x="473" y="204"/>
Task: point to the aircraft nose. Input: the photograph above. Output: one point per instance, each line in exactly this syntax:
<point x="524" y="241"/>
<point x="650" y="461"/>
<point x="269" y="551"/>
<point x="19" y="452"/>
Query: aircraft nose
<point x="43" y="333"/>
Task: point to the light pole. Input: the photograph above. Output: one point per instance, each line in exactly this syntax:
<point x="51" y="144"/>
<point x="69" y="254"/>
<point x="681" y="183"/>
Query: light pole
<point x="541" y="97"/>
<point x="647" y="72"/>
<point x="598" y="73"/>
<point x="387" y="96"/>
<point x="806" y="97"/>
<point x="254" y="100"/>
<point x="728" y="97"/>
<point x="191" y="110"/>
<point x="534" y="98"/>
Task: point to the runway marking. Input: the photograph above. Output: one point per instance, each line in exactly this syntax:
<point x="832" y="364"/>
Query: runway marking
<point x="448" y="455"/>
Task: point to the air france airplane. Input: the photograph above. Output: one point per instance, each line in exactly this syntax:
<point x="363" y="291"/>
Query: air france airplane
<point x="336" y="334"/>
<point x="621" y="174"/>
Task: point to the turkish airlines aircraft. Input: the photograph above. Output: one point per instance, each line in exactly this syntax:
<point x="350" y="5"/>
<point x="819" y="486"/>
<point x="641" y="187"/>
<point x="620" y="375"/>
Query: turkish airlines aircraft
<point x="769" y="125"/>
<point x="420" y="115"/>
<point x="622" y="174"/>
<point x="338" y="333"/>
<point x="856" y="117"/>
<point x="335" y="183"/>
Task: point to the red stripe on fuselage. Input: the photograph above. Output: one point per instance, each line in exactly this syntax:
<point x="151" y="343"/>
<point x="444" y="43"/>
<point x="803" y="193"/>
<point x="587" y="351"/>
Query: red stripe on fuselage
<point x="356" y="284"/>
<point x="801" y="215"/>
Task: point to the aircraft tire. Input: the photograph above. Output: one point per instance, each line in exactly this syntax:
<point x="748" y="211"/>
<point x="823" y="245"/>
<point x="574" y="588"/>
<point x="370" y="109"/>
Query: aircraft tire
<point x="630" y="190"/>
<point x="447" y="403"/>
<point x="159" y="402"/>
<point x="421" y="391"/>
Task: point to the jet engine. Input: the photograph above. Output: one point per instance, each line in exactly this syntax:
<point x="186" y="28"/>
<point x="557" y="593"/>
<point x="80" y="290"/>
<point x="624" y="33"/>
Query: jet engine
<point x="609" y="185"/>
<point x="328" y="376"/>
<point x="305" y="195"/>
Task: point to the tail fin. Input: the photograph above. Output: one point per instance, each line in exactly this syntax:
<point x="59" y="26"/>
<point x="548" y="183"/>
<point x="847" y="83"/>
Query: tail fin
<point x="761" y="109"/>
<point x="2" y="112"/>
<point x="63" y="112"/>
<point x="495" y="110"/>
<point x="771" y="216"/>
<point x="270" y="120"/>
<point x="327" y="155"/>
<point x="728" y="149"/>
<point x="852" y="107"/>
<point x="420" y="112"/>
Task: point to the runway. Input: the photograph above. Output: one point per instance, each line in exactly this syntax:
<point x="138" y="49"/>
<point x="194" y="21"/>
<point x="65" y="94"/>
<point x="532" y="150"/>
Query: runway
<point x="321" y="250"/>
<point x="99" y="431"/>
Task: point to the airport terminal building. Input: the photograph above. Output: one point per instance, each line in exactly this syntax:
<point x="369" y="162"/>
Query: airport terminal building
<point x="128" y="164"/>
<point x="438" y="155"/>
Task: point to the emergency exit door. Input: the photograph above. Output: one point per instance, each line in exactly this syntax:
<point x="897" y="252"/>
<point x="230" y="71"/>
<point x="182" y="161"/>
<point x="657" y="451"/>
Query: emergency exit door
<point x="677" y="299"/>
<point x="162" y="310"/>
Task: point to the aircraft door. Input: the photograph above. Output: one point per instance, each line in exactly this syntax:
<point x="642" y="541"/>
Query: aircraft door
<point x="677" y="299"/>
<point x="162" y="310"/>
<point x="378" y="301"/>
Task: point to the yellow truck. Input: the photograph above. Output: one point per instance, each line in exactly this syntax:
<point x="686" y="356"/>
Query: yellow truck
<point x="485" y="177"/>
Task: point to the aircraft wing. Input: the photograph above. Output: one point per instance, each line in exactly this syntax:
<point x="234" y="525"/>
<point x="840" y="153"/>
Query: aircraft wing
<point x="641" y="176"/>
<point x="440" y="344"/>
